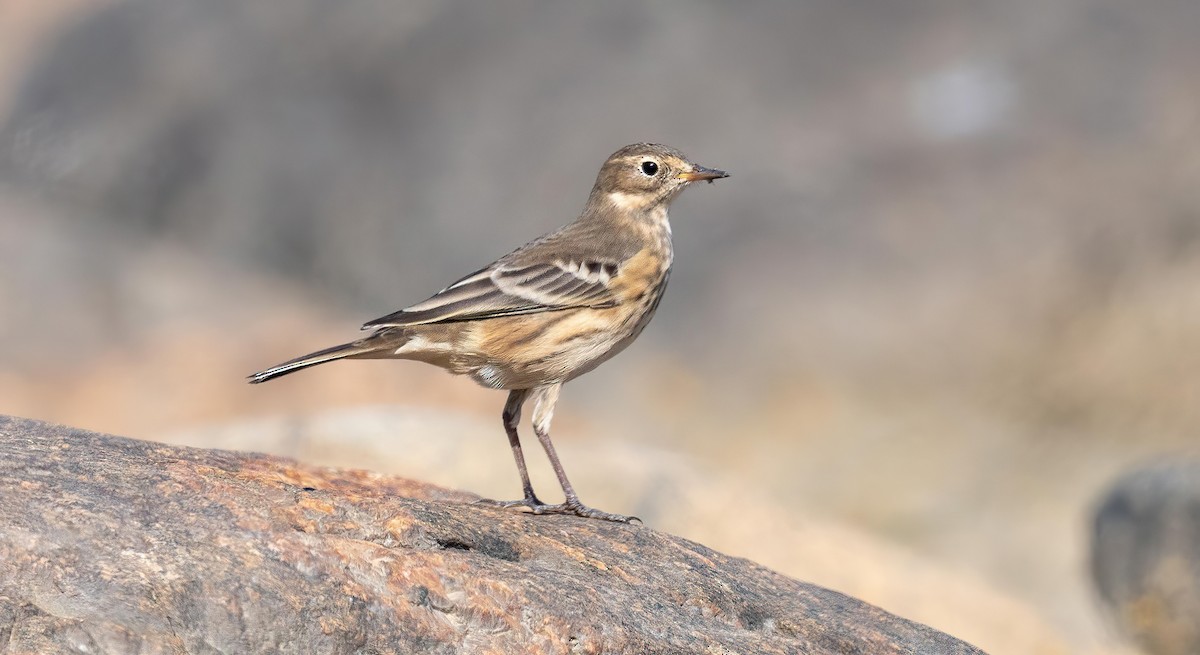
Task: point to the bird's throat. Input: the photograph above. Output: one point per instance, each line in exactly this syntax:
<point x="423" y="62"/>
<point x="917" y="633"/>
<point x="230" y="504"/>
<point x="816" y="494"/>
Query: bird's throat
<point x="630" y="203"/>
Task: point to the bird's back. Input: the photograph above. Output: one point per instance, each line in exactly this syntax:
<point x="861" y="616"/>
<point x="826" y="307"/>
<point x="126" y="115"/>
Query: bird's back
<point x="631" y="261"/>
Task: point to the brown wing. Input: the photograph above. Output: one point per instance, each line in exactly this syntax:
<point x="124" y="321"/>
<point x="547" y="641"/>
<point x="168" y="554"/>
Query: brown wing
<point x="505" y="289"/>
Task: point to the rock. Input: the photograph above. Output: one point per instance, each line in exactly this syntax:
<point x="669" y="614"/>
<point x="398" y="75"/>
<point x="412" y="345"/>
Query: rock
<point x="110" y="545"/>
<point x="670" y="490"/>
<point x="1146" y="556"/>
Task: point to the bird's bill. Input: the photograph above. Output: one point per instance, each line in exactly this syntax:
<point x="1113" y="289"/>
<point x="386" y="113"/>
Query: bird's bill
<point x="699" y="173"/>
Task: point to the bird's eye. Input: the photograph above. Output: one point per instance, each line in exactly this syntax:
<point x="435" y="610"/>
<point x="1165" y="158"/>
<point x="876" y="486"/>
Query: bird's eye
<point x="649" y="168"/>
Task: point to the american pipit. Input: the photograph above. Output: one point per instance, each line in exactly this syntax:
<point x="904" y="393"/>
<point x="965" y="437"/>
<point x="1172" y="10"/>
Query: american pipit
<point x="549" y="311"/>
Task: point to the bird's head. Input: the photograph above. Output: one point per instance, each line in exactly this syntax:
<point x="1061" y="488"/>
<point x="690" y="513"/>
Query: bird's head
<point x="642" y="176"/>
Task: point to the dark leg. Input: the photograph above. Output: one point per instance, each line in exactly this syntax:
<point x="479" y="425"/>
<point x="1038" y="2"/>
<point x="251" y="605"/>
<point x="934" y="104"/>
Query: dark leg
<point x="512" y="418"/>
<point x="543" y="411"/>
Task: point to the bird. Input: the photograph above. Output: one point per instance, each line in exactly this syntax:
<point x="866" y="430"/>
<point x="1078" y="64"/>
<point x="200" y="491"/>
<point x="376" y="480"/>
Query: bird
<point x="549" y="311"/>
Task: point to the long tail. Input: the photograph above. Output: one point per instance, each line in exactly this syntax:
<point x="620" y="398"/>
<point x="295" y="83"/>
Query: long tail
<point x="311" y="359"/>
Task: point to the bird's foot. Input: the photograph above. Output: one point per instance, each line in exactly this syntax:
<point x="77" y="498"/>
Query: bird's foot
<point x="533" y="503"/>
<point x="579" y="509"/>
<point x="536" y="506"/>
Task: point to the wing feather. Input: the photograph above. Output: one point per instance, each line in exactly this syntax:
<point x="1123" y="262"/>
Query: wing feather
<point x="505" y="290"/>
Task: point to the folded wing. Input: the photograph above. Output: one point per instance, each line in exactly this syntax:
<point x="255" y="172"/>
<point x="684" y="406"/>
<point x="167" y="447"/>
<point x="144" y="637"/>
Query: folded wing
<point x="507" y="289"/>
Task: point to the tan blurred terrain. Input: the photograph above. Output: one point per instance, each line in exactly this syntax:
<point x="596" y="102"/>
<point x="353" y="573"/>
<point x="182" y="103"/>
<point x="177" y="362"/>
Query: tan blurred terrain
<point x="951" y="290"/>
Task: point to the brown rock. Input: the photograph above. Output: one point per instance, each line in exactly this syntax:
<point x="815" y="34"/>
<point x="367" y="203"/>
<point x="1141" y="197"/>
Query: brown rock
<point x="110" y="545"/>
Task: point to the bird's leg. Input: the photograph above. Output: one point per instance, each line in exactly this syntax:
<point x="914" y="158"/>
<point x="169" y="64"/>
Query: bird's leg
<point x="543" y="410"/>
<point x="512" y="418"/>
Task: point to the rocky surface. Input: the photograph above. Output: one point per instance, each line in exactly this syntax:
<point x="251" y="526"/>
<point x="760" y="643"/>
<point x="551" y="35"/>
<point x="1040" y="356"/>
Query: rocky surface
<point x="671" y="491"/>
<point x="1146" y="556"/>
<point x="111" y="545"/>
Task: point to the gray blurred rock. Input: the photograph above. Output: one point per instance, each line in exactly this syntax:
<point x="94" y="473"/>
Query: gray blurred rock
<point x="1146" y="556"/>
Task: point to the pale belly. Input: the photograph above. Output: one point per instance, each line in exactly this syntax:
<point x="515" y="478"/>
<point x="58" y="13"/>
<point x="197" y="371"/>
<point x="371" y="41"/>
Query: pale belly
<point x="554" y="348"/>
<point x="532" y="350"/>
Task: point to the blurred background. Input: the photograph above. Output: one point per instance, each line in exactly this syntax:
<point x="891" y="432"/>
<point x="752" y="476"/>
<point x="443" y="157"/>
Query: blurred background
<point x="950" y="292"/>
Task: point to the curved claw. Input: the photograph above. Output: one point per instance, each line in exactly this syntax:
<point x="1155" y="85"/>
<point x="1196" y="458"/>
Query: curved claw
<point x="533" y="503"/>
<point x="579" y="509"/>
<point x="536" y="506"/>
